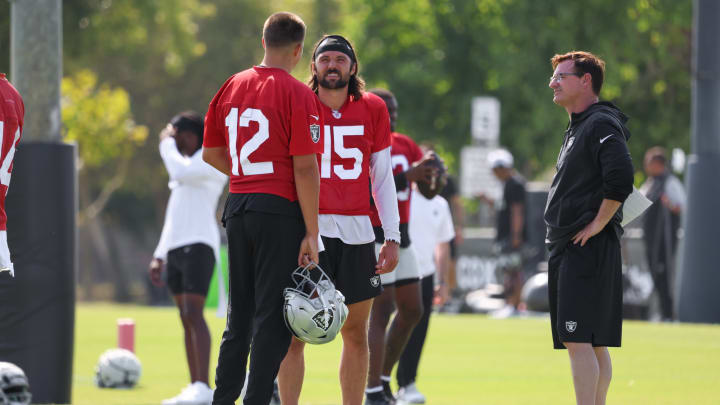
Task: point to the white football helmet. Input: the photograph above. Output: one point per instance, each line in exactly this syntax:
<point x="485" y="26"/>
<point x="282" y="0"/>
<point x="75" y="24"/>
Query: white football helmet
<point x="117" y="368"/>
<point x="314" y="310"/>
<point x="14" y="386"/>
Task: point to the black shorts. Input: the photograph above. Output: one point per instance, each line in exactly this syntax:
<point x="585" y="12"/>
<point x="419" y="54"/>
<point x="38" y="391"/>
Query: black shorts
<point x="352" y="268"/>
<point x="585" y="287"/>
<point x="190" y="268"/>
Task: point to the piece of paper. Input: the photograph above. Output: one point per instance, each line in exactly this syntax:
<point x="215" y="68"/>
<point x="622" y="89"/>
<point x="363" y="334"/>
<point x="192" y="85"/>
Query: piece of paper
<point x="635" y="204"/>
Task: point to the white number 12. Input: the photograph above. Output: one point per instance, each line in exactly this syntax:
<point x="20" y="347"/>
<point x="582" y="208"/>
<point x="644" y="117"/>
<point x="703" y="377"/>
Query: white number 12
<point x="262" y="135"/>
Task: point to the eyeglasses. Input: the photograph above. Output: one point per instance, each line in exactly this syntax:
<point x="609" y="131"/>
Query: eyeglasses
<point x="558" y="77"/>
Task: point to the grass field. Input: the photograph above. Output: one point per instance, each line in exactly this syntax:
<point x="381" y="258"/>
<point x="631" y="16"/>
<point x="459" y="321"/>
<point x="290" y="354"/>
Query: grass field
<point x="468" y="359"/>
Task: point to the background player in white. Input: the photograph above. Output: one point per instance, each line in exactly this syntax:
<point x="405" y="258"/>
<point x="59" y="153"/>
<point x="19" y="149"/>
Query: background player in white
<point x="12" y="114"/>
<point x="189" y="243"/>
<point x="401" y="288"/>
<point x="431" y="230"/>
<point x="356" y="152"/>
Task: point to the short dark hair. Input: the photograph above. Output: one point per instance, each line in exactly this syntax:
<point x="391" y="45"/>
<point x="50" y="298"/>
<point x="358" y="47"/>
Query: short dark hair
<point x="189" y="121"/>
<point x="656" y="154"/>
<point x="356" y="86"/>
<point x="283" y="29"/>
<point x="383" y="93"/>
<point x="585" y="62"/>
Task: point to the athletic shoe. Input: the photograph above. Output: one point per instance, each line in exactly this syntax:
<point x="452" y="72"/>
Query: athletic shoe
<point x="409" y="394"/>
<point x="505" y="312"/>
<point x="387" y="390"/>
<point x="197" y="393"/>
<point x="378" y="400"/>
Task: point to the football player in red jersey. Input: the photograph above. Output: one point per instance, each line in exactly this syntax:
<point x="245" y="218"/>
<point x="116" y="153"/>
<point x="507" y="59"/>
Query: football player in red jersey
<point x="12" y="113"/>
<point x="356" y="151"/>
<point x="401" y="288"/>
<point x="263" y="129"/>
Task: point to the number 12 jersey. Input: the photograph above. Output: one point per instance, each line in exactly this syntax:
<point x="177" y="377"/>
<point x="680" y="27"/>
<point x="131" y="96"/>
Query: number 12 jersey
<point x="264" y="116"/>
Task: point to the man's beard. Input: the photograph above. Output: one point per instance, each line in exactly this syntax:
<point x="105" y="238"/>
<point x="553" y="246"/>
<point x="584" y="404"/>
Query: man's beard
<point x="339" y="83"/>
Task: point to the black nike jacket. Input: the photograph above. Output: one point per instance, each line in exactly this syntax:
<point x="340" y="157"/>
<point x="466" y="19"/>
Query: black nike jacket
<point x="594" y="164"/>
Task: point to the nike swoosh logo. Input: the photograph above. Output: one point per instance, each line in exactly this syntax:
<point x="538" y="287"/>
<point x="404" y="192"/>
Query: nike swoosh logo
<point x="316" y="117"/>
<point x="604" y="139"/>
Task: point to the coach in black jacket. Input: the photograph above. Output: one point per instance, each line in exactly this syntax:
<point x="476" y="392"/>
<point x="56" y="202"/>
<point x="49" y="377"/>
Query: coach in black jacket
<point x="594" y="177"/>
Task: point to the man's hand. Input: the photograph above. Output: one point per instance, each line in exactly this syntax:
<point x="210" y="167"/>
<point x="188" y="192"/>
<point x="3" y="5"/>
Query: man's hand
<point x="486" y="199"/>
<point x="605" y="213"/>
<point x="308" y="250"/>
<point x="156" y="268"/>
<point x="421" y="172"/>
<point x="442" y="295"/>
<point x="590" y="230"/>
<point x="167" y="132"/>
<point x="388" y="257"/>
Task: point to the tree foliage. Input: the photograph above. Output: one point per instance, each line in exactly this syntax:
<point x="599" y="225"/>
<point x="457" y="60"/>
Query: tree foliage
<point x="436" y="55"/>
<point x="99" y="119"/>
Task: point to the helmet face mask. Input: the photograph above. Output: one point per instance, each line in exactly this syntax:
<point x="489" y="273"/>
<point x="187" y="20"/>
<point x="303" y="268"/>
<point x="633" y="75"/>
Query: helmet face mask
<point x="314" y="310"/>
<point x="14" y="385"/>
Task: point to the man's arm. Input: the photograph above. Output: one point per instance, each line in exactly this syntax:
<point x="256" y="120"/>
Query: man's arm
<point x="385" y="196"/>
<point x="217" y="158"/>
<point x="517" y="220"/>
<point x="604" y="215"/>
<point x="307" y="184"/>
<point x="442" y="264"/>
<point x="458" y="216"/>
<point x="180" y="168"/>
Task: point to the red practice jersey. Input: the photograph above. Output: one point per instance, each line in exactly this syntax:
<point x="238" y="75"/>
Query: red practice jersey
<point x="403" y="154"/>
<point x="351" y="134"/>
<point x="264" y="116"/>
<point x="12" y="112"/>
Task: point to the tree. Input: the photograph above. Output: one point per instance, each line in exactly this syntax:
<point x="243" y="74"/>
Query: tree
<point x="436" y="55"/>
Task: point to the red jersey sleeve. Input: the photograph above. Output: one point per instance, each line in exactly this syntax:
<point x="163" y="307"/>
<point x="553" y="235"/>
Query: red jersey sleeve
<point x="381" y="123"/>
<point x="306" y="123"/>
<point x="214" y="132"/>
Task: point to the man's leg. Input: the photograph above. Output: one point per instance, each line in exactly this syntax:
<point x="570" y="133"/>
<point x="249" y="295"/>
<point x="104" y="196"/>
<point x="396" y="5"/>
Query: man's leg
<point x="585" y="371"/>
<point x="410" y="358"/>
<point x="605" y="367"/>
<point x="197" y="335"/>
<point x="382" y="308"/>
<point x="234" y="348"/>
<point x="354" y="359"/>
<point x="409" y="311"/>
<point x="292" y="373"/>
<point x="276" y="241"/>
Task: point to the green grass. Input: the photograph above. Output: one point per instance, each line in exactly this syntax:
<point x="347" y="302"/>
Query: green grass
<point x="468" y="359"/>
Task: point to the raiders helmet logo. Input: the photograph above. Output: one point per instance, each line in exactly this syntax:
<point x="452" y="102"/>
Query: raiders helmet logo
<point x="320" y="320"/>
<point x="570" y="326"/>
<point x="315" y="132"/>
<point x="375" y="281"/>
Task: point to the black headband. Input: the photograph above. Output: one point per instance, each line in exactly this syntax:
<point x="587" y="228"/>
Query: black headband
<point x="335" y="43"/>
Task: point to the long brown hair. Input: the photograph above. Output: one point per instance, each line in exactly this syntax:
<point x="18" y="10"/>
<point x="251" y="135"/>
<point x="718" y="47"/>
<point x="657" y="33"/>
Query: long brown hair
<point x="356" y="85"/>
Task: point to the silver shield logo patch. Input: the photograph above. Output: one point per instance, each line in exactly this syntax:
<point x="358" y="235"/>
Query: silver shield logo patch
<point x="375" y="281"/>
<point x="315" y="132"/>
<point x="320" y="320"/>
<point x="570" y="326"/>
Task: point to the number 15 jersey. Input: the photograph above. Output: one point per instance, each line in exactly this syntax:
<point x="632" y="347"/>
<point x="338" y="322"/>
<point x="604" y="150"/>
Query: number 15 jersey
<point x="350" y="136"/>
<point x="264" y="116"/>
